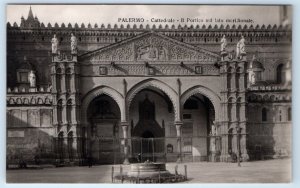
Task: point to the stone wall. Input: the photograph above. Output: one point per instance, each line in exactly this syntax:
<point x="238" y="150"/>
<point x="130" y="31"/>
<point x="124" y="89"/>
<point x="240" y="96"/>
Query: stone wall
<point x="271" y="138"/>
<point x="30" y="134"/>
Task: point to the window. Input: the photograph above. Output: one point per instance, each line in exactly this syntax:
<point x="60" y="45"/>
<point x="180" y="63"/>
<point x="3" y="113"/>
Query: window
<point x="280" y="74"/>
<point x="23" y="77"/>
<point x="264" y="114"/>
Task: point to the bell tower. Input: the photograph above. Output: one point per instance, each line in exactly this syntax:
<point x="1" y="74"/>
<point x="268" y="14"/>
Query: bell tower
<point x="65" y="75"/>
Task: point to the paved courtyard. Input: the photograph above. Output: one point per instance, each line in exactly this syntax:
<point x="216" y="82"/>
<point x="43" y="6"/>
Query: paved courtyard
<point x="268" y="171"/>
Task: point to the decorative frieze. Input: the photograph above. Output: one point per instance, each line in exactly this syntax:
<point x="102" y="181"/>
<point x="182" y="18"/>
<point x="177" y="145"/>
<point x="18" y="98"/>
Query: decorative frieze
<point x="159" y="69"/>
<point x="29" y="99"/>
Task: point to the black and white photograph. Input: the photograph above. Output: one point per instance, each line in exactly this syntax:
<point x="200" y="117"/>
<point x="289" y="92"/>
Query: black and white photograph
<point x="148" y="93"/>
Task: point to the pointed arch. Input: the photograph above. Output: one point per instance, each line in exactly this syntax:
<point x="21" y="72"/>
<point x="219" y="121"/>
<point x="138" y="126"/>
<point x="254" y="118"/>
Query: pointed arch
<point x="114" y="94"/>
<point x="280" y="73"/>
<point x="211" y="95"/>
<point x="148" y="83"/>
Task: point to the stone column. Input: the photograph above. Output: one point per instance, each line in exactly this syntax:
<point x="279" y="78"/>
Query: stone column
<point x="63" y="82"/>
<point x="234" y="138"/>
<point x="53" y="78"/>
<point x="224" y="152"/>
<point x="64" y="111"/>
<point x="212" y="147"/>
<point x="243" y="144"/>
<point x="66" y="148"/>
<point x="125" y="137"/>
<point x="54" y="114"/>
<point x="178" y="126"/>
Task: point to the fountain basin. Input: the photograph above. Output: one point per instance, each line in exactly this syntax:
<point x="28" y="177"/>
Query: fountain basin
<point x="148" y="170"/>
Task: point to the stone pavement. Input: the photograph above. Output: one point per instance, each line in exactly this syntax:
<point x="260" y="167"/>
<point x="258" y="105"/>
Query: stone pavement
<point x="268" y="171"/>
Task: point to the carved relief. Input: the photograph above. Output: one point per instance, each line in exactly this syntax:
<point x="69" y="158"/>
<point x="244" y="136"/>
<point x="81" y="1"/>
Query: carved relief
<point x="29" y="100"/>
<point x="152" y="47"/>
<point x="269" y="97"/>
<point x="160" y="69"/>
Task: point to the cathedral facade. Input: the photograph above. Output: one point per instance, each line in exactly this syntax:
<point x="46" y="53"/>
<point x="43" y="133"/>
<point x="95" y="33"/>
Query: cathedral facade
<point x="124" y="94"/>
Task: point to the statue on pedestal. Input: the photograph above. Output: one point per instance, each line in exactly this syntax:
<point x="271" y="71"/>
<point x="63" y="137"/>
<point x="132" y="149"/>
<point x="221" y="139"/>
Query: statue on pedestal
<point x="213" y="131"/>
<point x="240" y="47"/>
<point x="54" y="42"/>
<point x="73" y="44"/>
<point x="32" y="79"/>
<point x="223" y="44"/>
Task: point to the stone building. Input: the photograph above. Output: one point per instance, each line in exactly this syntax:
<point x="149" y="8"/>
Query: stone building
<point x="131" y="93"/>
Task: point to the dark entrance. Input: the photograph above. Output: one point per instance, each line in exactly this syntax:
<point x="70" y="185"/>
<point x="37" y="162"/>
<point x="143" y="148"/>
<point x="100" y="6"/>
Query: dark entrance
<point x="104" y="119"/>
<point x="148" y="135"/>
<point x="147" y="142"/>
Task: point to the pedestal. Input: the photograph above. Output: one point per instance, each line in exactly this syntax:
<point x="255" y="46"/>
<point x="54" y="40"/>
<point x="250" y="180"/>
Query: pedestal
<point x="212" y="149"/>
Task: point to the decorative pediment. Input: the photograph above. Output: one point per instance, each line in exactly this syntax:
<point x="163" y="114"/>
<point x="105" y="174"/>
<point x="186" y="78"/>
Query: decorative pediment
<point x="150" y="47"/>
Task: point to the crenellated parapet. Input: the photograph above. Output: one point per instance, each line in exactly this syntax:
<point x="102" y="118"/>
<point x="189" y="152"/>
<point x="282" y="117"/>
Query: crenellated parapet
<point x="191" y="27"/>
<point x="259" y="31"/>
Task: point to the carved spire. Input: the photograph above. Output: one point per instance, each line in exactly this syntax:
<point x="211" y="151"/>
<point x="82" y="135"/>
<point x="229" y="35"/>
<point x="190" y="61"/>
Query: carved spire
<point x="30" y="14"/>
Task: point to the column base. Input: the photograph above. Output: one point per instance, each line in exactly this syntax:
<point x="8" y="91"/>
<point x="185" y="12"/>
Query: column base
<point x="126" y="162"/>
<point x="225" y="158"/>
<point x="179" y="160"/>
<point x="245" y="157"/>
<point x="212" y="157"/>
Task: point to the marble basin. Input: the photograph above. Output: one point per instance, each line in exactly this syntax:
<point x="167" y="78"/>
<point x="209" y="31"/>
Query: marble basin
<point x="148" y="169"/>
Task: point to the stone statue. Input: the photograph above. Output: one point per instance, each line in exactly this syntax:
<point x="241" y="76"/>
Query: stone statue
<point x="240" y="48"/>
<point x="252" y="78"/>
<point x="213" y="129"/>
<point x="223" y="44"/>
<point x="73" y="44"/>
<point x="152" y="52"/>
<point x="54" y="42"/>
<point x="32" y="79"/>
<point x="162" y="53"/>
<point x="213" y="144"/>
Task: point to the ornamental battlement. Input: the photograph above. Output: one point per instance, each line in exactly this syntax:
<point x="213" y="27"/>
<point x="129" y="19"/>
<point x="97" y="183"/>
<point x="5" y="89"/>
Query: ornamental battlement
<point x="172" y="27"/>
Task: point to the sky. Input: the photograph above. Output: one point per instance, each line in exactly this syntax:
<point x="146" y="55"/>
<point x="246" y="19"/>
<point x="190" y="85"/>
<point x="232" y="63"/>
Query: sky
<point x="105" y="14"/>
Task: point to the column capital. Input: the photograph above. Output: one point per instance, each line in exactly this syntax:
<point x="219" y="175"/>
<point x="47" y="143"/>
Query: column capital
<point x="178" y="123"/>
<point x="124" y="124"/>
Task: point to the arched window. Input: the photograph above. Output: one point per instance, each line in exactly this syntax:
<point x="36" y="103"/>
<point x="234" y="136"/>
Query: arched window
<point x="68" y="79"/>
<point x="289" y="114"/>
<point x="58" y="79"/>
<point x="69" y="111"/>
<point x="264" y="114"/>
<point x="59" y="111"/>
<point x="280" y="74"/>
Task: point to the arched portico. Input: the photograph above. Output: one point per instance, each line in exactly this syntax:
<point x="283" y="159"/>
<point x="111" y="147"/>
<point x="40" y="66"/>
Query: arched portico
<point x="212" y="96"/>
<point x="118" y="97"/>
<point x="153" y="83"/>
